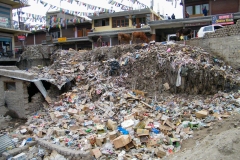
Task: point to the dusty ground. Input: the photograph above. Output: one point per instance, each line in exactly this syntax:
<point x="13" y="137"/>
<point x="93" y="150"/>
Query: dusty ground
<point x="221" y="141"/>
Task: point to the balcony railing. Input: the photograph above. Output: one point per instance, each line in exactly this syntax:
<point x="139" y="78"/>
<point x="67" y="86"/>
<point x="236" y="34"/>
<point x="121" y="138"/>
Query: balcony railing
<point x="25" y="2"/>
<point x="15" y="27"/>
<point x="72" y="39"/>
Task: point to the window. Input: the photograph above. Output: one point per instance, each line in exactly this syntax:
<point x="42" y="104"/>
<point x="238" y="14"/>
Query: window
<point x="189" y="10"/>
<point x="56" y="34"/>
<point x="9" y="86"/>
<point x="142" y="20"/>
<point x="120" y="22"/>
<point x="101" y="22"/>
<point x="208" y="28"/>
<point x="205" y="5"/>
<point x="217" y="27"/>
<point x="198" y="9"/>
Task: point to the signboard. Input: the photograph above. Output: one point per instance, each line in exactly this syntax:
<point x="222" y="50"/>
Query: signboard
<point x="223" y="19"/>
<point x="21" y="38"/>
<point x="197" y="24"/>
<point x="62" y="39"/>
<point x="4" y="21"/>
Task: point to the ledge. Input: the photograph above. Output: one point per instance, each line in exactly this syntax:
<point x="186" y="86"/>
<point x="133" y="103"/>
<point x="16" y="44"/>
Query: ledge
<point x="115" y="32"/>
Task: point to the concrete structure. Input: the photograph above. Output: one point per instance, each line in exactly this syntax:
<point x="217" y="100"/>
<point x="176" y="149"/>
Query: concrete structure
<point x="33" y="38"/>
<point x="226" y="48"/>
<point x="108" y="25"/>
<point x="7" y="29"/>
<point x="162" y="28"/>
<point x="194" y="7"/>
<point x="21" y="93"/>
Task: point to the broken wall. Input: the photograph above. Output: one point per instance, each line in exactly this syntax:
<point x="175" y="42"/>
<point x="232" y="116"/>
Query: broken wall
<point x="226" y="48"/>
<point x="13" y="99"/>
<point x="36" y="55"/>
<point x="16" y="98"/>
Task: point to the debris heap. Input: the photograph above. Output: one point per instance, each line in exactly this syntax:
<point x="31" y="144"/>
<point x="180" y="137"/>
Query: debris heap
<point x="121" y="106"/>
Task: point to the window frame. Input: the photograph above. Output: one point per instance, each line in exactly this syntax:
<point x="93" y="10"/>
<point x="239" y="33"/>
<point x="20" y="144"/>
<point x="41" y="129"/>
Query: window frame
<point x="193" y="8"/>
<point x="6" y="88"/>
<point x="120" y="22"/>
<point x="207" y="27"/>
<point x="99" y="22"/>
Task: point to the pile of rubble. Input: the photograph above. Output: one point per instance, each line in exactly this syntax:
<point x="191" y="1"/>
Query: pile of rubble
<point x="37" y="52"/>
<point x="121" y="107"/>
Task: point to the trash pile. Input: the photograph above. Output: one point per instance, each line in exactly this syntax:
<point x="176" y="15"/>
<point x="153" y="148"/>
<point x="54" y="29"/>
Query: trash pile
<point x="37" y="52"/>
<point x="121" y="106"/>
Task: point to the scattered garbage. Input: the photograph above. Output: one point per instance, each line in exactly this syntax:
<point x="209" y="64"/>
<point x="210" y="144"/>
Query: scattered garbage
<point x="125" y="115"/>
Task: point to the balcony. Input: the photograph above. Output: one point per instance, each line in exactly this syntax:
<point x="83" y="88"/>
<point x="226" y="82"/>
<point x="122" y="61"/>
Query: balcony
<point x="16" y="3"/>
<point x="115" y="31"/>
<point x="196" y="15"/>
<point x="9" y="56"/>
<point x="9" y="27"/>
<point x="73" y="39"/>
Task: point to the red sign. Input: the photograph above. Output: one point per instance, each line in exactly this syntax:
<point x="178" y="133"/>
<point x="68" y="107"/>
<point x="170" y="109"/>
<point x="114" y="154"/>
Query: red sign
<point x="223" y="19"/>
<point x="21" y="38"/>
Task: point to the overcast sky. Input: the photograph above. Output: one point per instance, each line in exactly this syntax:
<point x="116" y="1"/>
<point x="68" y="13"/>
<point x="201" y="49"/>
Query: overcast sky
<point x="38" y="8"/>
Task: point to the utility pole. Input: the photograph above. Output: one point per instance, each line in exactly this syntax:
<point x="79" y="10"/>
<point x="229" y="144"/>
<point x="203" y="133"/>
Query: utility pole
<point x="19" y="10"/>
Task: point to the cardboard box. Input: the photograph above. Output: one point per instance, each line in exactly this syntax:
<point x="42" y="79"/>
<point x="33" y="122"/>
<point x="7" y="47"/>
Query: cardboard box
<point x="58" y="114"/>
<point x="160" y="152"/>
<point x="74" y="127"/>
<point x="112" y="135"/>
<point x="201" y="114"/>
<point x="164" y="128"/>
<point x="154" y="142"/>
<point x="60" y="132"/>
<point x="100" y="141"/>
<point x="96" y="152"/>
<point x="166" y="86"/>
<point x="72" y="111"/>
<point x="142" y="132"/>
<point x="121" y="141"/>
<point x="111" y="125"/>
<point x="100" y="127"/>
<point x="170" y="124"/>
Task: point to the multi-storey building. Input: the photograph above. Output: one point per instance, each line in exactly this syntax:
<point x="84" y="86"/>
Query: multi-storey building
<point x="218" y="11"/>
<point x="194" y="7"/>
<point x="108" y="25"/>
<point x="9" y="30"/>
<point x="68" y="31"/>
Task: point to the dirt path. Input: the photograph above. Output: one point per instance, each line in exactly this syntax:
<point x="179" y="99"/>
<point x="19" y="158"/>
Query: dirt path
<point x="221" y="141"/>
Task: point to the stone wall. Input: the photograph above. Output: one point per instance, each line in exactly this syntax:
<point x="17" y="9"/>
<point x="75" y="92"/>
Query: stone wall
<point x="28" y="63"/>
<point x="37" y="52"/>
<point x="224" y="43"/>
<point x="35" y="55"/>
<point x="18" y="100"/>
<point x="13" y="99"/>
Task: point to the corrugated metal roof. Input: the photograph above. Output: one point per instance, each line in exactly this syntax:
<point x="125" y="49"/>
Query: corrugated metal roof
<point x="5" y="142"/>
